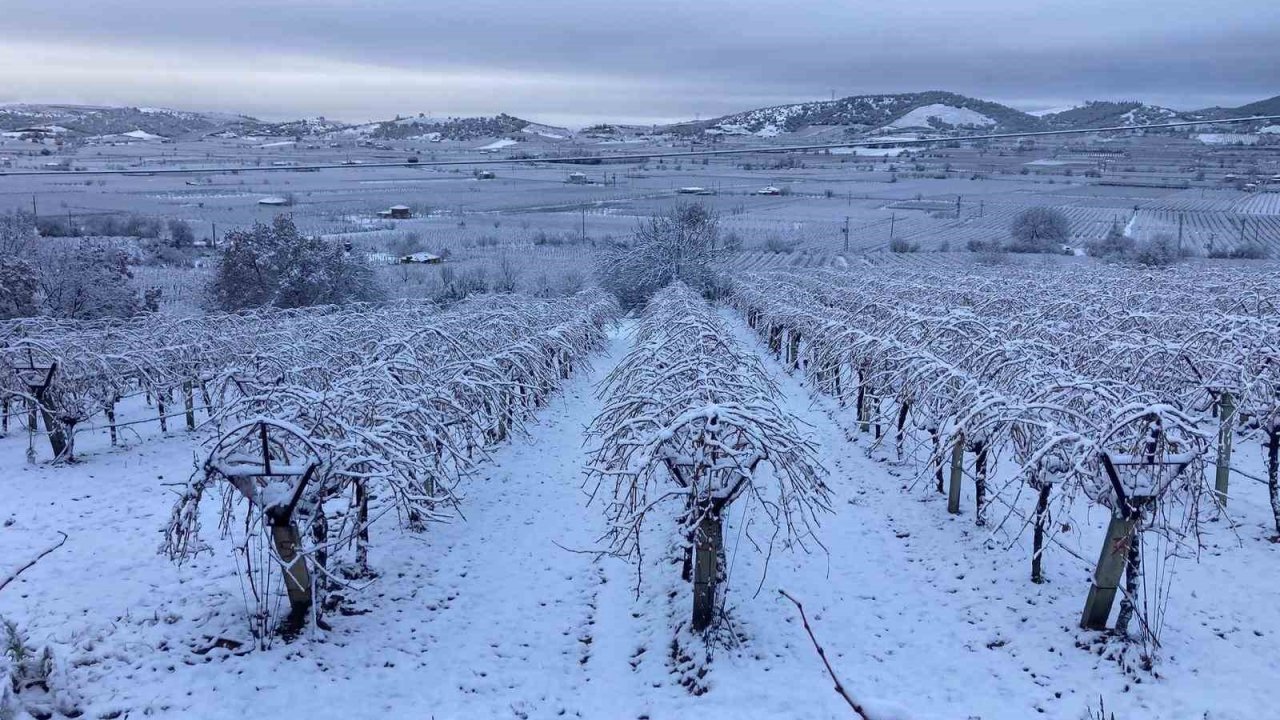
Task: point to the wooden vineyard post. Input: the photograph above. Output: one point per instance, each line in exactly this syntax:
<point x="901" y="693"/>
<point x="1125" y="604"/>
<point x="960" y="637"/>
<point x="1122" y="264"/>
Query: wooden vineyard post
<point x="980" y="482"/>
<point x="57" y="438"/>
<point x="297" y="577"/>
<point x="189" y="404"/>
<point x="1226" y="419"/>
<point x="110" y="411"/>
<point x="4" y="418"/>
<point x="162" y="410"/>
<point x="257" y="455"/>
<point x="937" y="451"/>
<point x="706" y="568"/>
<point x="362" y="518"/>
<point x="1043" y="487"/>
<point x="957" y="472"/>
<point x="1106" y="576"/>
<point x="793" y="350"/>
<point x="1120" y="551"/>
<point x="874" y="411"/>
<point x="1273" y="471"/>
<point x="864" y="409"/>
<point x="900" y="441"/>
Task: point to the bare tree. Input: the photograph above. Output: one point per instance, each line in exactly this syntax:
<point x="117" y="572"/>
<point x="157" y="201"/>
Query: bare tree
<point x="1039" y="230"/>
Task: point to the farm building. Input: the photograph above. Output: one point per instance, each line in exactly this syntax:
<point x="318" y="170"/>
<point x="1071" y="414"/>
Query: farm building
<point x="485" y="175"/>
<point x="396" y="212"/>
<point x="577" y="178"/>
<point x="424" y="258"/>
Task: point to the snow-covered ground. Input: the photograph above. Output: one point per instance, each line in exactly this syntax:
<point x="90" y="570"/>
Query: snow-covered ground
<point x="509" y="613"/>
<point x="947" y="114"/>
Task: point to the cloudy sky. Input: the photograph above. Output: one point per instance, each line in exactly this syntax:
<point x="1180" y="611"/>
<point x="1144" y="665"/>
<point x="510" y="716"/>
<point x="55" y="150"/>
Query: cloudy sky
<point x="578" y="61"/>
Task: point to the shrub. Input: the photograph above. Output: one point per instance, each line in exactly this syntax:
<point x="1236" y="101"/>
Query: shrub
<point x="1115" y="245"/>
<point x="1160" y="250"/>
<point x="180" y="234"/>
<point x="1251" y="250"/>
<point x="902" y="245"/>
<point x="777" y="245"/>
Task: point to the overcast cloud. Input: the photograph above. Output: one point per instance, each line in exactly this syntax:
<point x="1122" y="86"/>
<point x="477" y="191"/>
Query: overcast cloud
<point x="578" y="61"/>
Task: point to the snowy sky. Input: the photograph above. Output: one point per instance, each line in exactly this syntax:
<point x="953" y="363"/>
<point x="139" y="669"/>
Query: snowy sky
<point x="579" y="61"/>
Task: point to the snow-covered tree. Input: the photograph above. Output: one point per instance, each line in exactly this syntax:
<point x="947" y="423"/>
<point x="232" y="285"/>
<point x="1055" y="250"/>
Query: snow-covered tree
<point x="18" y="284"/>
<point x="680" y="244"/>
<point x="86" y="282"/>
<point x="278" y="266"/>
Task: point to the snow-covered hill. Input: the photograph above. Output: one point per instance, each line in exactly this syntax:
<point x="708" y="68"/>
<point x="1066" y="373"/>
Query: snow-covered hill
<point x="937" y="110"/>
<point x="89" y="120"/>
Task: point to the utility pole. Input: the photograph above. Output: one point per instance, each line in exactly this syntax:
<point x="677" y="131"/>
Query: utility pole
<point x="892" y="219"/>
<point x="1180" y="219"/>
<point x="957" y="207"/>
<point x="213" y="242"/>
<point x="584" y="223"/>
<point x="35" y="214"/>
<point x="846" y="233"/>
<point x="982" y="204"/>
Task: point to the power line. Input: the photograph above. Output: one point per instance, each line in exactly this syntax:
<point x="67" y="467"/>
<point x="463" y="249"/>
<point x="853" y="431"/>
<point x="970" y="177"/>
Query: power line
<point x="638" y="157"/>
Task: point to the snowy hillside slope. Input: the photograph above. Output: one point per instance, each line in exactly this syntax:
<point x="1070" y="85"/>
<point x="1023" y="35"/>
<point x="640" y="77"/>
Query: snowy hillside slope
<point x="939" y="116"/>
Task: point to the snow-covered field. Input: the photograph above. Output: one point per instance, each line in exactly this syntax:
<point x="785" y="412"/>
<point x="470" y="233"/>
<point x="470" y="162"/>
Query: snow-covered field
<point x="511" y="607"/>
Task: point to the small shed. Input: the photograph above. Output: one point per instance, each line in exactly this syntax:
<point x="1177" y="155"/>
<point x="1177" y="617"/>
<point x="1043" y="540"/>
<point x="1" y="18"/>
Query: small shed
<point x="485" y="175"/>
<point x="577" y="178"/>
<point x="399" y="212"/>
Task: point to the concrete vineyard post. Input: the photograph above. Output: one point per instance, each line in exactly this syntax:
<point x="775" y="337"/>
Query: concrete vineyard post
<point x="1226" y="419"/>
<point x="957" y="472"/>
<point x="1106" y="576"/>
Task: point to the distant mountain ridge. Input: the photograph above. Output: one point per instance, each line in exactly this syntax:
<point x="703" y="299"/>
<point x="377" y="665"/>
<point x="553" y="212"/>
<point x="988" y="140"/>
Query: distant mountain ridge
<point x="932" y="111"/>
<point x="93" y="120"/>
<point x="946" y="111"/>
